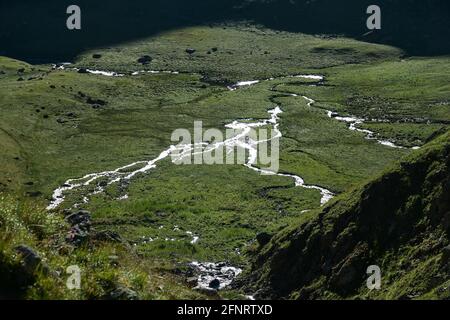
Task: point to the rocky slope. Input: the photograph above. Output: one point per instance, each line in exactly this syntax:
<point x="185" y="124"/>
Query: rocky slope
<point x="400" y="221"/>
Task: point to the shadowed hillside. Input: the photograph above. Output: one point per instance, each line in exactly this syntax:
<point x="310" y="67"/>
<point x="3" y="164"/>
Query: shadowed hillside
<point x="400" y="221"/>
<point x="34" y="31"/>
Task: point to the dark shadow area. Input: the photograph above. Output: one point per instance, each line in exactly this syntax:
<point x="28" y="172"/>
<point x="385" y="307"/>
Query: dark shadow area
<point x="35" y="31"/>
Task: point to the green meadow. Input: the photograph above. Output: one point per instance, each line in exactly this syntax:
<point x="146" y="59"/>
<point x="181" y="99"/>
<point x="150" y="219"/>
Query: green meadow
<point x="61" y="124"/>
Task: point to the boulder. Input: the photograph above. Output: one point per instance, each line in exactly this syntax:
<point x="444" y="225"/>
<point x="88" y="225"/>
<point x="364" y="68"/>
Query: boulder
<point x="103" y="183"/>
<point x="96" y="56"/>
<point x="80" y="217"/>
<point x="190" y="50"/>
<point x="77" y="236"/>
<point x="81" y="225"/>
<point x="192" y="281"/>
<point x="31" y="260"/>
<point x="145" y="60"/>
<point x="215" y="284"/>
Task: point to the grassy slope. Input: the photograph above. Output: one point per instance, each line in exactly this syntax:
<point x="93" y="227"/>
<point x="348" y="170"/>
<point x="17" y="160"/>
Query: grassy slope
<point x="28" y="223"/>
<point x="399" y="221"/>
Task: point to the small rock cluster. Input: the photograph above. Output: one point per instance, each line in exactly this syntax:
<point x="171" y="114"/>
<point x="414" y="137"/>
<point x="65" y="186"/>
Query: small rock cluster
<point x="80" y="223"/>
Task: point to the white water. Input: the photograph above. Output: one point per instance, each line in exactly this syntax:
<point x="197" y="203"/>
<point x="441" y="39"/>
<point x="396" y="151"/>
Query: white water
<point x="136" y="73"/>
<point x="252" y="146"/>
<point x="243" y="84"/>
<point x="253" y="82"/>
<point x="183" y="151"/>
<point x="310" y="76"/>
<point x="104" y="73"/>
<point x="179" y="153"/>
<point x="354" y="122"/>
<point x="64" y="66"/>
<point x="209" y="271"/>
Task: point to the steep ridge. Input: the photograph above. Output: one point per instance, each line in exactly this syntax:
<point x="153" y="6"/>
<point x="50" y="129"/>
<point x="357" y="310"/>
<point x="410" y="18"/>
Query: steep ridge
<point x="399" y="221"/>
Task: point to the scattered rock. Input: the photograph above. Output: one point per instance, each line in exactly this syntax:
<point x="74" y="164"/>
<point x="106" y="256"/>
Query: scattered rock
<point x="34" y="194"/>
<point x="192" y="281"/>
<point x="80" y="217"/>
<point x="20" y="79"/>
<point x="214" y="49"/>
<point x="190" y="50"/>
<point x="96" y="56"/>
<point x="145" y="60"/>
<point x="77" y="236"/>
<point x="31" y="260"/>
<point x="81" y="226"/>
<point x="52" y="87"/>
<point x="215" y="284"/>
<point x="123" y="293"/>
<point x="96" y="101"/>
<point x="103" y="183"/>
<point x="21" y="70"/>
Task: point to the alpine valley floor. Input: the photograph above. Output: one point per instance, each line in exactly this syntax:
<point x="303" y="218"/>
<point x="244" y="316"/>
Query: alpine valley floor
<point x="149" y="229"/>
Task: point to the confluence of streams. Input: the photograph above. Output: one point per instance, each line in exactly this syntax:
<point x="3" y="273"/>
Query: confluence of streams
<point x="179" y="152"/>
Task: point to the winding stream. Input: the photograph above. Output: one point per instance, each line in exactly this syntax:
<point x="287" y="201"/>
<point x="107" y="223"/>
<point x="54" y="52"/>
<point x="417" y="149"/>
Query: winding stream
<point x="101" y="180"/>
<point x="179" y="152"/>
